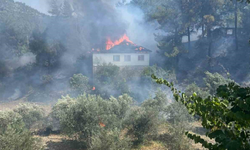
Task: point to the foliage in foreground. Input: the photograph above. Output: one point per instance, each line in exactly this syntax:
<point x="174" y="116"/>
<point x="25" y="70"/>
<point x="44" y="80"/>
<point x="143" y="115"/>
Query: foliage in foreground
<point x="226" y="116"/>
<point x="31" y="114"/>
<point x="14" y="135"/>
<point x="211" y="82"/>
<point x="85" y="117"/>
<point x="79" y="83"/>
<point x="115" y="123"/>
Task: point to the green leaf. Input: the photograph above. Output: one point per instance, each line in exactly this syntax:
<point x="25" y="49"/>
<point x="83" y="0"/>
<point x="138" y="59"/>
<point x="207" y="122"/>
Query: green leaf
<point x="215" y="134"/>
<point x="233" y="145"/>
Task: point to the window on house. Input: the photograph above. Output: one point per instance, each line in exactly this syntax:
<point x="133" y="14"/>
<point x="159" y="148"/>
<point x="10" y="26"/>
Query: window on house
<point x="141" y="58"/>
<point x="127" y="58"/>
<point x="116" y="58"/>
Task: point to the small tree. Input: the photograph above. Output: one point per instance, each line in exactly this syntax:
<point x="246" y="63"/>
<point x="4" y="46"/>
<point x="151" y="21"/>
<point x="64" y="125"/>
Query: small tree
<point x="141" y="123"/>
<point x="226" y="116"/>
<point x="55" y="8"/>
<point x="79" y="83"/>
<point x="214" y="80"/>
<point x="85" y="118"/>
<point x="14" y="135"/>
<point x="31" y="114"/>
<point x="66" y="9"/>
<point x="191" y="88"/>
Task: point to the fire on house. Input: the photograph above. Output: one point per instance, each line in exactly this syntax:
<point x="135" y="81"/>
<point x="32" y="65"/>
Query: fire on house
<point x="122" y="53"/>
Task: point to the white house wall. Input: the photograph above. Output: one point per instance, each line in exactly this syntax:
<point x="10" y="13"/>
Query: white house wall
<point x="107" y="58"/>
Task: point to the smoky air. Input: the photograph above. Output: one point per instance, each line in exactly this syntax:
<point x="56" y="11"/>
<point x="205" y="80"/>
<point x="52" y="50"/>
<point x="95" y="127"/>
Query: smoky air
<point x="124" y="74"/>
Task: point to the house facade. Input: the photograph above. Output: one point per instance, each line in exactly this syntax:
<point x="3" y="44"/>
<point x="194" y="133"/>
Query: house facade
<point x="121" y="59"/>
<point x="123" y="55"/>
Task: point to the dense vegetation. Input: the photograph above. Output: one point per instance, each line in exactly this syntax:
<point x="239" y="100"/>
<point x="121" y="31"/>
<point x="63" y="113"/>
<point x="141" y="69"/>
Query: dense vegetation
<point x="203" y="49"/>
<point x="15" y="125"/>
<point x="226" y="115"/>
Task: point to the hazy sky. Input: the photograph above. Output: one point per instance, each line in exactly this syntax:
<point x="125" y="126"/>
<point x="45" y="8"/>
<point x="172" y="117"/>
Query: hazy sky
<point x="40" y="5"/>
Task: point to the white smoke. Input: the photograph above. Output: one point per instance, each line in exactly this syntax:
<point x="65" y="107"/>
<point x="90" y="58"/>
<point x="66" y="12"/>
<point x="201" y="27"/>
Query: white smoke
<point x="21" y="61"/>
<point x="139" y="30"/>
<point x="40" y="5"/>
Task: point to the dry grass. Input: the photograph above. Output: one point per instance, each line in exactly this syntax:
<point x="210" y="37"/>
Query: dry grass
<point x="4" y="106"/>
<point x="56" y="142"/>
<point x="10" y="105"/>
<point x="152" y="146"/>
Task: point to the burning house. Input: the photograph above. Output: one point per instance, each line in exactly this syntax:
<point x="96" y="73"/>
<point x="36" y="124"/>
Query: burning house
<point x="122" y="53"/>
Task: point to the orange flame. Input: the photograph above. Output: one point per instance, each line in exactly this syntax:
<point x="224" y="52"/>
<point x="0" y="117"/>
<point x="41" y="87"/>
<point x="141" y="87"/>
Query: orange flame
<point x="102" y="124"/>
<point x="110" y="44"/>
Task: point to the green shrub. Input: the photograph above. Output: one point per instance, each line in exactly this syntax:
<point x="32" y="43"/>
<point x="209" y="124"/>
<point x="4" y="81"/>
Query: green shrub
<point x="121" y="105"/>
<point x="105" y="73"/>
<point x="191" y="88"/>
<point x="30" y="113"/>
<point x="178" y="114"/>
<point x="84" y="117"/>
<point x="158" y="103"/>
<point x="110" y="81"/>
<point x="46" y="79"/>
<point x="14" y="135"/>
<point x="226" y="116"/>
<point x="174" y="138"/>
<point x="111" y="140"/>
<point x="159" y="72"/>
<point x="213" y="81"/>
<point x="79" y="83"/>
<point x="141" y="124"/>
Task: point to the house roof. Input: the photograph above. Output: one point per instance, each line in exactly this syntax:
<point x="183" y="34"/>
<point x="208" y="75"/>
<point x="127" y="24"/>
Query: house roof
<point x="126" y="47"/>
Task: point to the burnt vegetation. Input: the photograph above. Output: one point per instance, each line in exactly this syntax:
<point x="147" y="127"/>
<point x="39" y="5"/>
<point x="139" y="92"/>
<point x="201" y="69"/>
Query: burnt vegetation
<point x="125" y="74"/>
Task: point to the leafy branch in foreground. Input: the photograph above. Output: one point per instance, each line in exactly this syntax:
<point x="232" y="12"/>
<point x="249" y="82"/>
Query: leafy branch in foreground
<point x="226" y="116"/>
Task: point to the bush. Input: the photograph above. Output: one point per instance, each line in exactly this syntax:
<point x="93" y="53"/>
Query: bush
<point x="226" y="116"/>
<point x="105" y="73"/>
<point x="96" y="123"/>
<point x="213" y="81"/>
<point x="141" y="123"/>
<point x="14" y="135"/>
<point x="84" y="117"/>
<point x="79" y="83"/>
<point x="111" y="140"/>
<point x="159" y="72"/>
<point x="191" y="88"/>
<point x="47" y="79"/>
<point x="178" y="114"/>
<point x="158" y="103"/>
<point x="31" y="114"/>
<point x="110" y="81"/>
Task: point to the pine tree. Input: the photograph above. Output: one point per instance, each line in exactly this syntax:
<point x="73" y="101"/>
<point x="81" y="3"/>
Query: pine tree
<point x="55" y="8"/>
<point x="66" y="9"/>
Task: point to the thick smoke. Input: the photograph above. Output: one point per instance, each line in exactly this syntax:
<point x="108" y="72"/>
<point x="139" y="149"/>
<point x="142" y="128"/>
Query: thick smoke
<point x="88" y="27"/>
<point x="139" y="31"/>
<point x="40" y="5"/>
<point x="21" y="61"/>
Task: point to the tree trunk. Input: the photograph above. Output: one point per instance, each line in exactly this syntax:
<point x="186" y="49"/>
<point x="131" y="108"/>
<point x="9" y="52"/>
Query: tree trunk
<point x="202" y="28"/>
<point x="189" y="39"/>
<point x="209" y="36"/>
<point x="236" y="24"/>
<point x="175" y="45"/>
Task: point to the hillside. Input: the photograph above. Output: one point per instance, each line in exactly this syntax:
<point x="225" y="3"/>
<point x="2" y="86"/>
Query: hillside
<point x="17" y="22"/>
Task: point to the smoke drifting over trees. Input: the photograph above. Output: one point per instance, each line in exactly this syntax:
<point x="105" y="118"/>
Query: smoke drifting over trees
<point x="59" y="44"/>
<point x="47" y="47"/>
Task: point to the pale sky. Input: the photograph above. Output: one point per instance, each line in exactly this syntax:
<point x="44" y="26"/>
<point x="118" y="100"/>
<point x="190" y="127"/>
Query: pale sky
<point x="40" y="5"/>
